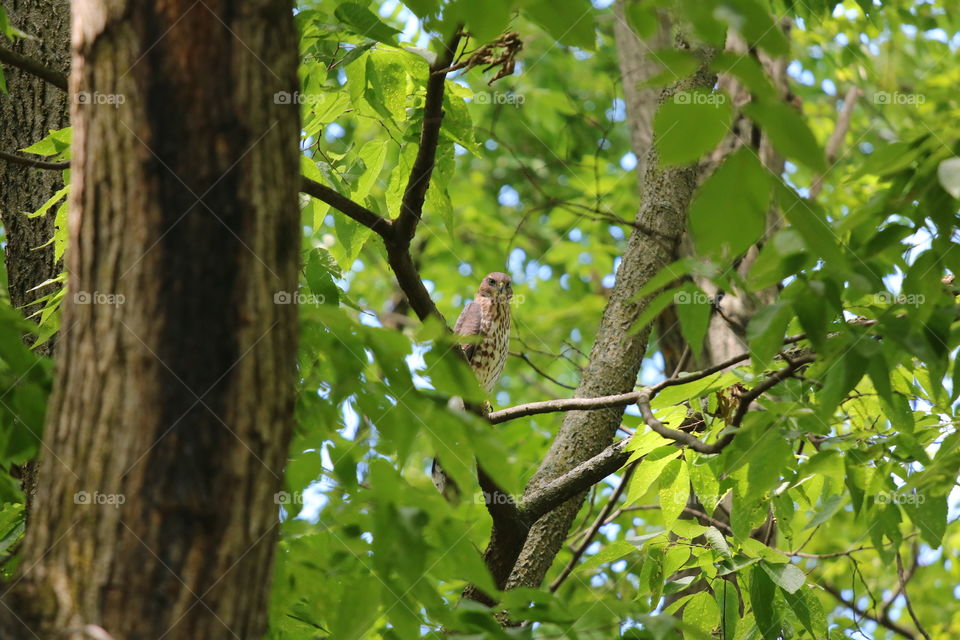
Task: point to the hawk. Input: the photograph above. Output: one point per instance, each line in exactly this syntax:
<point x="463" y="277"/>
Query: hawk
<point x="487" y="316"/>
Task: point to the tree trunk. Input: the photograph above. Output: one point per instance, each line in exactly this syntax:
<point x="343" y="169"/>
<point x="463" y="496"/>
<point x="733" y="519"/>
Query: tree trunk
<point x="32" y="108"/>
<point x="616" y="354"/>
<point x="172" y="409"/>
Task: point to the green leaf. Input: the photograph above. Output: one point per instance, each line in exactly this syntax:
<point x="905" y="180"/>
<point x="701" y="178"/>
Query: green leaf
<point x="728" y="602"/>
<point x="422" y="8"/>
<point x="356" y="615"/>
<point x="755" y="24"/>
<point x="690" y="124"/>
<point x="809" y="611"/>
<point x="729" y="212"/>
<point x="674" y="490"/>
<point x="610" y="552"/>
<point x="486" y="20"/>
<point x="5" y="27"/>
<point x="54" y="199"/>
<point x="693" y="311"/>
<point x="694" y="389"/>
<point x="788" y="577"/>
<point x="830" y="507"/>
<point x="359" y="20"/>
<point x="642" y="18"/>
<point x="717" y="542"/>
<point x="653" y="309"/>
<point x="56" y="142"/>
<point x="766" y="332"/>
<point x="648" y="471"/>
<point x="929" y="514"/>
<point x="762" y="595"/>
<point x="570" y="23"/>
<point x="747" y="70"/>
<point x="666" y="275"/>
<point x="808" y="218"/>
<point x="789" y="133"/>
<point x="702" y="612"/>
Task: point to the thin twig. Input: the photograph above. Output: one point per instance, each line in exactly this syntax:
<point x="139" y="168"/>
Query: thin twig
<point x="592" y="531"/>
<point x="839" y="133"/>
<point x="31" y="162"/>
<point x="901" y="577"/>
<point x="881" y="619"/>
<point x="542" y="373"/>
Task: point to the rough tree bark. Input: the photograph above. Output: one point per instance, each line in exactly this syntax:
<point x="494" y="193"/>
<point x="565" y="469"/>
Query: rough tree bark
<point x="616" y="354"/>
<point x="174" y="397"/>
<point x="32" y="108"/>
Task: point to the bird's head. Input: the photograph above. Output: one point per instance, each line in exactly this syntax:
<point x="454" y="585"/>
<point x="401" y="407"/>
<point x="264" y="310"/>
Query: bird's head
<point x="497" y="286"/>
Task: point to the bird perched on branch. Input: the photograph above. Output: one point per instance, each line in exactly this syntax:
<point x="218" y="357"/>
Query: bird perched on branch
<point x="487" y="316"/>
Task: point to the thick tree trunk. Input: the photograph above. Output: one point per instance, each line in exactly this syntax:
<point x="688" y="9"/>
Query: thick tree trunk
<point x="172" y="409"/>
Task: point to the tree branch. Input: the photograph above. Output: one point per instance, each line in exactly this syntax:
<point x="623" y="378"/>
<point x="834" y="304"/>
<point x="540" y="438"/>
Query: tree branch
<point x="883" y="620"/>
<point x="31" y="66"/>
<point x="579" y="479"/>
<point x="31" y="162"/>
<point x="411" y="207"/>
<point x="592" y="471"/>
<point x="603" y="402"/>
<point x="902" y="582"/>
<point x="379" y="225"/>
<point x="839" y="133"/>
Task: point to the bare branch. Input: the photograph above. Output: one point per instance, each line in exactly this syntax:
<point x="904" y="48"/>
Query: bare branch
<point x="31" y="162"/>
<point x="902" y="581"/>
<point x="882" y="619"/>
<point x="839" y="133"/>
<point x="523" y="356"/>
<point x="592" y="471"/>
<point x="603" y="402"/>
<point x="379" y="225"/>
<point x="579" y="479"/>
<point x="31" y="66"/>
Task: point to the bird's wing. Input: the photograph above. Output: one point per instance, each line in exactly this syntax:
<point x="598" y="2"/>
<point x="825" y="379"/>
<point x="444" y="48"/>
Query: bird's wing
<point x="468" y="324"/>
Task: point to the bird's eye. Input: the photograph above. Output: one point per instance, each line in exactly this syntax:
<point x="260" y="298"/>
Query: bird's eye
<point x="491" y="281"/>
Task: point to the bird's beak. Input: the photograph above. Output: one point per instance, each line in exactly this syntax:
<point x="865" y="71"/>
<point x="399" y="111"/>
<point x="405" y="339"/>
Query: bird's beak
<point x="500" y="287"/>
